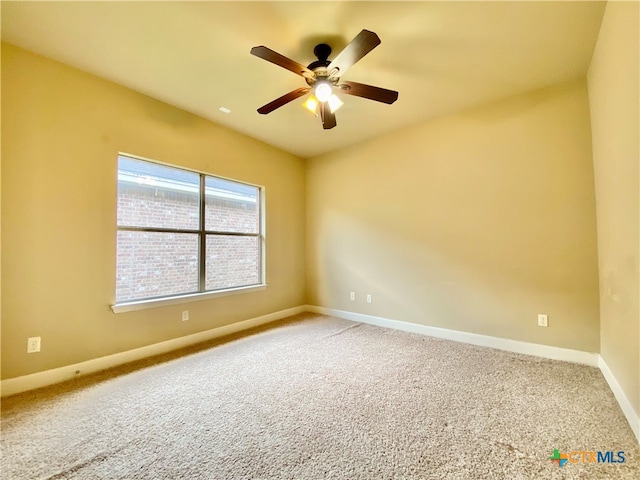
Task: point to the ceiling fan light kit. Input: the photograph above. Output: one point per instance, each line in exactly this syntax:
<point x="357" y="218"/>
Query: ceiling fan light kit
<point x="323" y="90"/>
<point x="311" y="104"/>
<point x="322" y="76"/>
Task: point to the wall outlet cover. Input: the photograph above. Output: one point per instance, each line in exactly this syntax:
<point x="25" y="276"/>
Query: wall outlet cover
<point x="543" y="320"/>
<point x="33" y="344"/>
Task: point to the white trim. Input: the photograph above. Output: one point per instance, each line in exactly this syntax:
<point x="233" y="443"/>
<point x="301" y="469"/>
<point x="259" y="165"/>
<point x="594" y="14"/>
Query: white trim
<point x="41" y="379"/>
<point x="49" y="377"/>
<point x="517" y="346"/>
<point x="632" y="417"/>
<point x="546" y="351"/>
<point x="190" y="297"/>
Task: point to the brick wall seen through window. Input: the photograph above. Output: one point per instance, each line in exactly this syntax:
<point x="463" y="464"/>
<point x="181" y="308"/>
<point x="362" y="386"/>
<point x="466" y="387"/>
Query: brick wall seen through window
<point x="160" y="238"/>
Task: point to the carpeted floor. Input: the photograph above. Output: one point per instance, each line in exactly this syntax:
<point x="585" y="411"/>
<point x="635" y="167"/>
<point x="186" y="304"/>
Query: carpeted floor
<point x="316" y="397"/>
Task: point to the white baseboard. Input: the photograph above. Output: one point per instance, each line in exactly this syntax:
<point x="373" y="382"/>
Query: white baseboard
<point x="546" y="351"/>
<point x="632" y="417"/>
<point x="12" y="386"/>
<point x="554" y="353"/>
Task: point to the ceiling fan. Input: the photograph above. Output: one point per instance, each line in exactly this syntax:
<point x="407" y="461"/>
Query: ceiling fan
<point x="323" y="76"/>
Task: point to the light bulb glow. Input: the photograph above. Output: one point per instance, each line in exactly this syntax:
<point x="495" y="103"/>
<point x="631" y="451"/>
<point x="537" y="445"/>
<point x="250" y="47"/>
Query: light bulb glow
<point x="311" y="104"/>
<point x="323" y="91"/>
<point x="334" y="103"/>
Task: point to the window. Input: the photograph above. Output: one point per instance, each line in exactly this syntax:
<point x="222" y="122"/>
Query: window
<point x="182" y="232"/>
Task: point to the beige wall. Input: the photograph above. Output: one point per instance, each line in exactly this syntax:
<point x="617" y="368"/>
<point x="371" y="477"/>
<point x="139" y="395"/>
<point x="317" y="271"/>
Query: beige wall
<point x="475" y="222"/>
<point x="61" y="133"/>
<point x="613" y="92"/>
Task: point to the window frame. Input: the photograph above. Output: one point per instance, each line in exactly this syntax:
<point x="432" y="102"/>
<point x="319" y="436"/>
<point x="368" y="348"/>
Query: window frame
<point x="202" y="293"/>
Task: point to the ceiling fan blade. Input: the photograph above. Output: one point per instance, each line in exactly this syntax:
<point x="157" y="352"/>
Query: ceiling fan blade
<point x="283" y="100"/>
<point x="327" y="116"/>
<point x="274" y="57"/>
<point x="362" y="44"/>
<point x="369" y="91"/>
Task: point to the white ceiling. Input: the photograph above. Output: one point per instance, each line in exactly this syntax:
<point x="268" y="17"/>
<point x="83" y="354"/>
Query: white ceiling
<point x="441" y="56"/>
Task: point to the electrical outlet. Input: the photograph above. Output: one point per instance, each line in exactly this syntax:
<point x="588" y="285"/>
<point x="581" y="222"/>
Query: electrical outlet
<point x="185" y="315"/>
<point x="33" y="344"/>
<point x="543" y="320"/>
<point x="369" y="298"/>
<point x="353" y="296"/>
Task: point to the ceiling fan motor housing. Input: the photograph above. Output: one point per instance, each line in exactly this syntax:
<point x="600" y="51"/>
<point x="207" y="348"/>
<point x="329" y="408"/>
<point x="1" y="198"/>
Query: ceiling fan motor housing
<point x="321" y="74"/>
<point x="319" y="67"/>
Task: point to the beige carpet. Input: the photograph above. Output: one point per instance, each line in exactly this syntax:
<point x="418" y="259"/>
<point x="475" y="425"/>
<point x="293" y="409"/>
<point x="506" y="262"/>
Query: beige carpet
<point x="321" y="398"/>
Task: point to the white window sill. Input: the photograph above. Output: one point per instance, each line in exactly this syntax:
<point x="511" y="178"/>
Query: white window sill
<point x="192" y="297"/>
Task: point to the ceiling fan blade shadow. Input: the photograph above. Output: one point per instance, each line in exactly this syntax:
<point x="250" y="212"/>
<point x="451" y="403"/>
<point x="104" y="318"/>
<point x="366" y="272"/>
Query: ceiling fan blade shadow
<point x="282" y="61"/>
<point x="327" y="116"/>
<point x="369" y="91"/>
<point x="362" y="44"/>
<point x="283" y="100"/>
